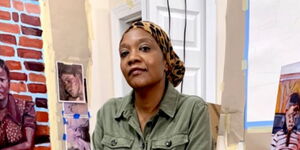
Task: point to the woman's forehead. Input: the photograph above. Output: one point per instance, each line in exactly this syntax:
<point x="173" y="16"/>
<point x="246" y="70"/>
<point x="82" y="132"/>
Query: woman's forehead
<point x="138" y="34"/>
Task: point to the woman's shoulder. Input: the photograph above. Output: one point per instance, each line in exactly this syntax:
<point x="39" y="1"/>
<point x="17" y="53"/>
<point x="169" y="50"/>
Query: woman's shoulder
<point x="112" y="106"/>
<point x="112" y="103"/>
<point x="189" y="100"/>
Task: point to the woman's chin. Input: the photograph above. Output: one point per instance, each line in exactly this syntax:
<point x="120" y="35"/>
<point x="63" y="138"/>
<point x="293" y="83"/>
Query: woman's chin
<point x="137" y="83"/>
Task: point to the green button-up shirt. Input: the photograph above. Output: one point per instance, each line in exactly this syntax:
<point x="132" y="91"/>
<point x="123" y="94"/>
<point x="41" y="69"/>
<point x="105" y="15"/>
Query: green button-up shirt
<point x="182" y="123"/>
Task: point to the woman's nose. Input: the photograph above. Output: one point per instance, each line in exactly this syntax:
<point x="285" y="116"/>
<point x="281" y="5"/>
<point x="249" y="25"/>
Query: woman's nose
<point x="134" y="57"/>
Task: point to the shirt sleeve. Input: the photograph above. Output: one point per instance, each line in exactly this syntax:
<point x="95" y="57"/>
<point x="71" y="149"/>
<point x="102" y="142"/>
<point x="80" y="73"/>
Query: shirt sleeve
<point x="200" y="137"/>
<point x="98" y="132"/>
<point x="29" y="115"/>
<point x="274" y="142"/>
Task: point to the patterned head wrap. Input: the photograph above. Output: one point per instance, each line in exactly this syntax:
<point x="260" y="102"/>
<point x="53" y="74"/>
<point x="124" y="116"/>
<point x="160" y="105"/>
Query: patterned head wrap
<point x="176" y="67"/>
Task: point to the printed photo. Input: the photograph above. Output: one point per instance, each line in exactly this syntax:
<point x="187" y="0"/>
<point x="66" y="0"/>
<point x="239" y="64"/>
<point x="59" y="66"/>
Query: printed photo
<point x="285" y="134"/>
<point x="75" y="108"/>
<point x="70" y="82"/>
<point x="77" y="131"/>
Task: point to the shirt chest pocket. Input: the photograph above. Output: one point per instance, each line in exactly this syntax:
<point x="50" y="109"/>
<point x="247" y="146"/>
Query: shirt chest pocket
<point x="176" y="142"/>
<point x="116" y="143"/>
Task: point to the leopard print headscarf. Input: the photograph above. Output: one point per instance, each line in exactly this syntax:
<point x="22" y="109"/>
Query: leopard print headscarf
<point x="176" y="67"/>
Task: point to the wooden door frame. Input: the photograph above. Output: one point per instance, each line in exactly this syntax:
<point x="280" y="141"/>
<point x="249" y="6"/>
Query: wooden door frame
<point x="210" y="48"/>
<point x="119" y="17"/>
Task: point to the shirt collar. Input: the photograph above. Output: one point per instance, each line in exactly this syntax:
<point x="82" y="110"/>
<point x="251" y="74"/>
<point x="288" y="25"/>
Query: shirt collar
<point x="170" y="100"/>
<point x="168" y="103"/>
<point x="126" y="106"/>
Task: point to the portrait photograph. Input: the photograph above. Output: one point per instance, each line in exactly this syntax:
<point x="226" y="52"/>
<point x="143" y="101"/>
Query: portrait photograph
<point x="70" y="83"/>
<point x="77" y="134"/>
<point x="285" y="133"/>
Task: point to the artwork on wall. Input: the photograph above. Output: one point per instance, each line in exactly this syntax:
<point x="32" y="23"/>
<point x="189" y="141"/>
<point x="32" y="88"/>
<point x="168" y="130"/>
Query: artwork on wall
<point x="24" y="121"/>
<point x="75" y="115"/>
<point x="75" y="108"/>
<point x="77" y="134"/>
<point x="71" y="84"/>
<point x="17" y="117"/>
<point x="285" y="133"/>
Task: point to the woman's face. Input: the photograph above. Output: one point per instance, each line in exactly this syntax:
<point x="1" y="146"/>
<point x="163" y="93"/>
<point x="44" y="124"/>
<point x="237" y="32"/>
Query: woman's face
<point x="142" y="61"/>
<point x="71" y="83"/>
<point x="4" y="84"/>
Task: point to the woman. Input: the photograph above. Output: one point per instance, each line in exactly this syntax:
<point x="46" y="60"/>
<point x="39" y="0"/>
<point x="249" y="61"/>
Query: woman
<point x="17" y="117"/>
<point x="154" y="115"/>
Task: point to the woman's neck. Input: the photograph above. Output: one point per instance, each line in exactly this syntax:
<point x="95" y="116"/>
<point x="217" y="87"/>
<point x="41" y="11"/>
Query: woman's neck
<point x="147" y="102"/>
<point x="147" y="99"/>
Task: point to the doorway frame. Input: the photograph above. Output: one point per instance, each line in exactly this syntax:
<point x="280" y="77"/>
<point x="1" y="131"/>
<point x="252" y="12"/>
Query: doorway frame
<point x="119" y="17"/>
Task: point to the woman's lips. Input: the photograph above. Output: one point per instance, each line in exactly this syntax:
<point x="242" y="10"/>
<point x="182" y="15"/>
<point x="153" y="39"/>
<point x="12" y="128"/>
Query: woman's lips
<point x="136" y="71"/>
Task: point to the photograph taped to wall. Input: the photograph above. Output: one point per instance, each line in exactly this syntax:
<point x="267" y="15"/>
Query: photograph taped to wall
<point x="286" y="126"/>
<point x="75" y="108"/>
<point x="77" y="134"/>
<point x="70" y="83"/>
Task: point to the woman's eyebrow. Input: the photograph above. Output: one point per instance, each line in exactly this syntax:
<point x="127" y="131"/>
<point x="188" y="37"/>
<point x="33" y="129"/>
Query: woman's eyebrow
<point x="140" y="40"/>
<point x="145" y="39"/>
<point x="124" y="45"/>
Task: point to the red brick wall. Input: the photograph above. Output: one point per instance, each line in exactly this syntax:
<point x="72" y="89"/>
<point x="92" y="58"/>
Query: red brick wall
<point x="21" y="46"/>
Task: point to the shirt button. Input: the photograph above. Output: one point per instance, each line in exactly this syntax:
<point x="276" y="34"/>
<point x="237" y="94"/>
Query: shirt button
<point x="113" y="142"/>
<point x="168" y="143"/>
<point x="143" y="145"/>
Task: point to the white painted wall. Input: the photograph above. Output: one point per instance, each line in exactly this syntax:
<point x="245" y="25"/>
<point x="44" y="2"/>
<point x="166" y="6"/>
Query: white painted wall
<point x="101" y="82"/>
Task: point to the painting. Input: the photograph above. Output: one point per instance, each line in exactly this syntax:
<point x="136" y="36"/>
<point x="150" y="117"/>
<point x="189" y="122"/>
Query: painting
<point x="285" y="133"/>
<point x="71" y="83"/>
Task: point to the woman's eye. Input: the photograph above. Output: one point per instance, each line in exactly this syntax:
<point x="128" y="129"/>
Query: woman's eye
<point x="2" y="80"/>
<point x="124" y="54"/>
<point x="145" y="48"/>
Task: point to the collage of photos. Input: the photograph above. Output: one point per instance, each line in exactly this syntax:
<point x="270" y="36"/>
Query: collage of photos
<point x="286" y="127"/>
<point x="72" y="93"/>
